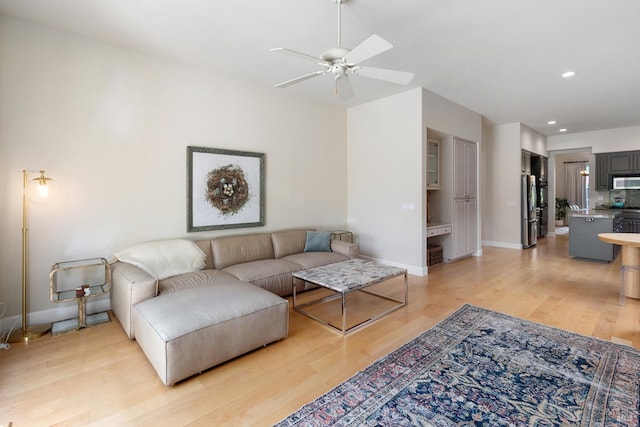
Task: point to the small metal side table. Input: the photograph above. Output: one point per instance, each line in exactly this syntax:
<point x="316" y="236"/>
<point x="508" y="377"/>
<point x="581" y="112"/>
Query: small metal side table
<point x="92" y="278"/>
<point x="347" y="236"/>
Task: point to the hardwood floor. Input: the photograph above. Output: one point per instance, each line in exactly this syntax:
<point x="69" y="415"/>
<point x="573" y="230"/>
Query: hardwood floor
<point x="97" y="376"/>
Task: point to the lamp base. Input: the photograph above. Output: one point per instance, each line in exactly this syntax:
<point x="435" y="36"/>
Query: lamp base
<point x="32" y="333"/>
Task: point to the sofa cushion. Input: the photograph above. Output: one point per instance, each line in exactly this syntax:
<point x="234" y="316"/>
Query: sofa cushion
<point x="315" y="259"/>
<point x="263" y="269"/>
<point x="273" y="275"/>
<point x="318" y="241"/>
<point x="195" y="279"/>
<point x="289" y="242"/>
<point x="228" y="251"/>
<point x="205" y="246"/>
<point x="164" y="258"/>
<point x="189" y="331"/>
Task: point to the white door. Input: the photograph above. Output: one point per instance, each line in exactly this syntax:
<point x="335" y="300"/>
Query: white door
<point x="459" y="229"/>
<point x="459" y="169"/>
<point x="471" y="167"/>
<point x="465" y="157"/>
<point x="472" y="226"/>
<point x="465" y="227"/>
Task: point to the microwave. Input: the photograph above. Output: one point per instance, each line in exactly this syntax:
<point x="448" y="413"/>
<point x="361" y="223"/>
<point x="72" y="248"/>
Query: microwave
<point x="626" y="182"/>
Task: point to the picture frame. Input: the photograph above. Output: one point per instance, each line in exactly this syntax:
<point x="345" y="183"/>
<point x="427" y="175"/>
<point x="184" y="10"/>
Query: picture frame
<point x="225" y="189"/>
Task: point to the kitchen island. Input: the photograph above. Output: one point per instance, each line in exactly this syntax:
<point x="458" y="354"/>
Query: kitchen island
<point x="584" y="227"/>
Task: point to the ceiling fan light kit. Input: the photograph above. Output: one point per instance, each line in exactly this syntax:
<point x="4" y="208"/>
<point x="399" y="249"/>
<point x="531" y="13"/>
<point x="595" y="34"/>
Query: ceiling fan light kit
<point x="341" y="61"/>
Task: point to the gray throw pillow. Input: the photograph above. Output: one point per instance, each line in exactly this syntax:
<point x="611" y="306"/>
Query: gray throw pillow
<point x="318" y="241"/>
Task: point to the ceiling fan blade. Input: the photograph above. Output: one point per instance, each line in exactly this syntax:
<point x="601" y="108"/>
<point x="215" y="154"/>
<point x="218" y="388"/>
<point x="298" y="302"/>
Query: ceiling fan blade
<point x="369" y="48"/>
<point x="301" y="78"/>
<point x="299" y="55"/>
<point x="393" y="76"/>
<point x="343" y="88"/>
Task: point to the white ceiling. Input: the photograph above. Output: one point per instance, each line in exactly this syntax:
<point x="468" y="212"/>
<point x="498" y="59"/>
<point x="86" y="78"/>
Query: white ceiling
<point x="500" y="58"/>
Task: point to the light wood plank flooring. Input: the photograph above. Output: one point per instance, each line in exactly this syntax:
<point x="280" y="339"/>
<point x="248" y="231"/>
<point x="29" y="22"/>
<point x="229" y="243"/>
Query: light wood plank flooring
<point x="97" y="376"/>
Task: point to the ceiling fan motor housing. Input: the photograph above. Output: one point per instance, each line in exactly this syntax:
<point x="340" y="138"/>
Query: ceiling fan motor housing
<point x="335" y="53"/>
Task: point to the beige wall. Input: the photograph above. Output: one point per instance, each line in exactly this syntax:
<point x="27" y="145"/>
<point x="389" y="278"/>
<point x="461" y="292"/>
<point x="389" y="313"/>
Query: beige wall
<point x="386" y="171"/>
<point x="503" y="214"/>
<point x="601" y="141"/>
<point x="111" y="126"/>
<point x="385" y="178"/>
<point x="532" y="141"/>
<point x="502" y="211"/>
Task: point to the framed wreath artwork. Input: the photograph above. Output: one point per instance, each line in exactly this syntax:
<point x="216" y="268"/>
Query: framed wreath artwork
<point x="225" y="189"/>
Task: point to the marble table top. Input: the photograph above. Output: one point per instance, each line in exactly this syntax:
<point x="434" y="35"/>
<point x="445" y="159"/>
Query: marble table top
<point x="350" y="275"/>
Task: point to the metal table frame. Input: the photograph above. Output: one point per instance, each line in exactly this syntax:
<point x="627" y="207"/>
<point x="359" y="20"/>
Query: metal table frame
<point x="343" y="293"/>
<point x="57" y="295"/>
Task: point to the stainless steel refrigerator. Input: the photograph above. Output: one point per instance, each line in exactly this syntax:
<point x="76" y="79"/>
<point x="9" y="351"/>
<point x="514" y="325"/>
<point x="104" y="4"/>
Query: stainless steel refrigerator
<point x="529" y="211"/>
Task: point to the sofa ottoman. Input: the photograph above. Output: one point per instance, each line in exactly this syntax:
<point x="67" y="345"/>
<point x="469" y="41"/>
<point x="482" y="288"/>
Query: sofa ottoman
<point x="184" y="333"/>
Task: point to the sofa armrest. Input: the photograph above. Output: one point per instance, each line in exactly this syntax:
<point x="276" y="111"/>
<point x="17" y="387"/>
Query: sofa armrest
<point x="351" y="250"/>
<point x="129" y="286"/>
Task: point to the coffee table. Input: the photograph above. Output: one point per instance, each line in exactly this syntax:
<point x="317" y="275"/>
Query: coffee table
<point x="344" y="278"/>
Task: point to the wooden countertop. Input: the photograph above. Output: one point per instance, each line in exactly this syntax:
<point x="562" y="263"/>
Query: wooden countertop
<point x="625" y="239"/>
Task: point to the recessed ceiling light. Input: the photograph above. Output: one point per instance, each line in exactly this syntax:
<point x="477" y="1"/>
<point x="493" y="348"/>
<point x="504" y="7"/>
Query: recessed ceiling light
<point x="551" y="122"/>
<point x="562" y="130"/>
<point x="568" y="74"/>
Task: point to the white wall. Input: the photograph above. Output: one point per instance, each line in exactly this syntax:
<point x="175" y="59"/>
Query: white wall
<point x="449" y="120"/>
<point x="111" y="126"/>
<point x="502" y="210"/>
<point x="386" y="171"/>
<point x="601" y="141"/>
<point x="385" y="162"/>
<point x="505" y="143"/>
<point x="533" y="141"/>
<point x="447" y="117"/>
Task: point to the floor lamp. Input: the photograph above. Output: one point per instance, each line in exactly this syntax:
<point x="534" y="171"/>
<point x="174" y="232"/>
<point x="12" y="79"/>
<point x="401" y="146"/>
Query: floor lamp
<point x="28" y="332"/>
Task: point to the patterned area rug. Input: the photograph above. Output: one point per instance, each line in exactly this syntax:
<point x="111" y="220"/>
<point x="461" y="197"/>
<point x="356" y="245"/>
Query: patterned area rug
<point x="479" y="367"/>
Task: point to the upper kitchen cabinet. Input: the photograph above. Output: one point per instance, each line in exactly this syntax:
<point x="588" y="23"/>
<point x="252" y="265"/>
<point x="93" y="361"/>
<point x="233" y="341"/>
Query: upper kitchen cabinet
<point x="619" y="163"/>
<point x="466" y="170"/>
<point x="433" y="164"/>
<point x="636" y="161"/>
<point x="602" y="172"/>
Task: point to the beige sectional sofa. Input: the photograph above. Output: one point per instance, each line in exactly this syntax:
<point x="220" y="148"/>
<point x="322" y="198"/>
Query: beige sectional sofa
<point x="191" y="309"/>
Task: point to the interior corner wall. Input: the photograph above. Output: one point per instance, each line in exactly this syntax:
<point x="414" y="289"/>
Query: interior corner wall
<point x="533" y="141"/>
<point x="111" y="126"/>
<point x="502" y="181"/>
<point x="447" y="117"/>
<point x="385" y="182"/>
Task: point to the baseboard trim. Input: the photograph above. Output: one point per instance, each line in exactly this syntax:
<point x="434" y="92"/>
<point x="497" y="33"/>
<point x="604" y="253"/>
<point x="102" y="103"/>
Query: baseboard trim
<point x="502" y="245"/>
<point x="63" y="312"/>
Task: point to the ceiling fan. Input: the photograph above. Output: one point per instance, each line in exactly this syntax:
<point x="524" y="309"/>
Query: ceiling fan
<point x="341" y="61"/>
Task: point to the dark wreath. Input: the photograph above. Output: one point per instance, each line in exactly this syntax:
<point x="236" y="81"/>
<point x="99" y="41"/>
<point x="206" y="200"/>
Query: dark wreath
<point x="227" y="189"/>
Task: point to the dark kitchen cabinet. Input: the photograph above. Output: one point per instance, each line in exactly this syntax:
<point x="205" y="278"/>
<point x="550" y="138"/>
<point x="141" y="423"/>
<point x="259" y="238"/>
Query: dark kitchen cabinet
<point x="611" y="164"/>
<point x="621" y="163"/>
<point x="602" y="172"/>
<point x="630" y="222"/>
<point x="630" y="226"/>
<point x="636" y="161"/>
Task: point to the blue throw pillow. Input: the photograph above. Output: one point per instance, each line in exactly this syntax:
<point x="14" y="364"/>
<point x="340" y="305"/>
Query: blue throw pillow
<point x="318" y="241"/>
